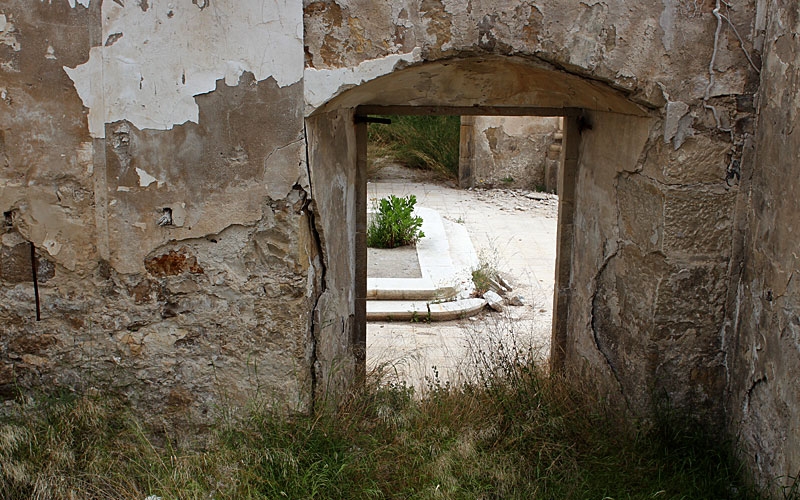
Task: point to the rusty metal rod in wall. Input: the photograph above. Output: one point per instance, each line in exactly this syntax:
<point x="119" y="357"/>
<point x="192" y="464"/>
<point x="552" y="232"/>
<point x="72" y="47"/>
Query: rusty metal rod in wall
<point x="35" y="281"/>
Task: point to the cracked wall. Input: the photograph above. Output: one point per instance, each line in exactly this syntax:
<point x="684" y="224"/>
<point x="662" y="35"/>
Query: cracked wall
<point x="653" y="232"/>
<point x="154" y="155"/>
<point x="763" y="331"/>
<point x="188" y="177"/>
<point x="655" y="191"/>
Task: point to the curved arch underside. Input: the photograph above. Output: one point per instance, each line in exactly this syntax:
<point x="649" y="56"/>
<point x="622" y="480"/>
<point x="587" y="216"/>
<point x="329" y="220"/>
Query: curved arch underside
<point x="484" y="82"/>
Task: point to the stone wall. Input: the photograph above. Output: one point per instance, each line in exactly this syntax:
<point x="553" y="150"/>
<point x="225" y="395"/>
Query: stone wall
<point x="189" y="175"/>
<point x="154" y="154"/>
<point x="762" y="336"/>
<point x="511" y="151"/>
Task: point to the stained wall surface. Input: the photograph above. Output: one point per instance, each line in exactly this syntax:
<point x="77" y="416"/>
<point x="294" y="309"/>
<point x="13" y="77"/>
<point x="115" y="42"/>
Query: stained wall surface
<point x="763" y="334"/>
<point x="187" y="174"/>
<point x="154" y="155"/>
<point x="510" y="151"/>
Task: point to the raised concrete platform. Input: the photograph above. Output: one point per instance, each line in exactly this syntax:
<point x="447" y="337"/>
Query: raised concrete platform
<point x="446" y="259"/>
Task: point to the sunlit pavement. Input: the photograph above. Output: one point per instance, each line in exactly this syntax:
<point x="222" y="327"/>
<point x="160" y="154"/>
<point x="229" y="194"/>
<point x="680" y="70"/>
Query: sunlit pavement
<point x="518" y="236"/>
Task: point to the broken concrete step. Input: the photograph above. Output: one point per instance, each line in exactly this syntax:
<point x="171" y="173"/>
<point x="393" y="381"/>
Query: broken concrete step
<point x="411" y="310"/>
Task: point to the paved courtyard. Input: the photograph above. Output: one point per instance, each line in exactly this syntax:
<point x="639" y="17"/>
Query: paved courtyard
<point x="514" y="232"/>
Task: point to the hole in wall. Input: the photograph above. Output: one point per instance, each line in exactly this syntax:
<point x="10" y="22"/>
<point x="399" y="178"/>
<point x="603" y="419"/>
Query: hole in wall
<point x="8" y="220"/>
<point x="166" y="217"/>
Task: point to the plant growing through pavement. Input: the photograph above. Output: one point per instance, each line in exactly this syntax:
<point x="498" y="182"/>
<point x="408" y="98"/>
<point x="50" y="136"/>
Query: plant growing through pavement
<point x="394" y="223"/>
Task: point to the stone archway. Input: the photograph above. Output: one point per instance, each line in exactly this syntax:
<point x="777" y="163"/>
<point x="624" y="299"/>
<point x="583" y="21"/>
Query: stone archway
<point x="604" y="135"/>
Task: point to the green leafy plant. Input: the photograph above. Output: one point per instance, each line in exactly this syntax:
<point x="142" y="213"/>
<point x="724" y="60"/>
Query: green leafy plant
<point x="394" y="223"/>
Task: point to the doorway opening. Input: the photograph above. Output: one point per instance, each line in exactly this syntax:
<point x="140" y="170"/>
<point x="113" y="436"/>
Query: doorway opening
<point x="603" y="129"/>
<point x="425" y="316"/>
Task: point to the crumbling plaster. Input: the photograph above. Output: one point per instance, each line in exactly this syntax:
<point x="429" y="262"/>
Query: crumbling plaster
<point x="616" y="42"/>
<point x="763" y="330"/>
<point x="237" y="116"/>
<point x="510" y="152"/>
<point x="211" y="304"/>
<point x="157" y="56"/>
<point x="681" y="163"/>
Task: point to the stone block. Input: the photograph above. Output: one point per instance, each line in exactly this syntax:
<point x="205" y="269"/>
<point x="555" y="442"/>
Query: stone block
<point x="698" y="221"/>
<point x="641" y="211"/>
<point x="494" y="300"/>
<point x="15" y="265"/>
<point x="692" y="293"/>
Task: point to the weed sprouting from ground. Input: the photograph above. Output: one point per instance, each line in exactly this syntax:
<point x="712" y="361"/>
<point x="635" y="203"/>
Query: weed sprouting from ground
<point x="425" y="142"/>
<point x="511" y="431"/>
<point x="486" y="274"/>
<point x="393" y="223"/>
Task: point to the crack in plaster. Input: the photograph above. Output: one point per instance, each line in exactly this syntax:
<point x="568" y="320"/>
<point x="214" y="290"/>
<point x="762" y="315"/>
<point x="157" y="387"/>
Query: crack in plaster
<point x="593" y="327"/>
<point x="748" y="397"/>
<point x="320" y="261"/>
<point x="274" y="189"/>
<point x="165" y="56"/>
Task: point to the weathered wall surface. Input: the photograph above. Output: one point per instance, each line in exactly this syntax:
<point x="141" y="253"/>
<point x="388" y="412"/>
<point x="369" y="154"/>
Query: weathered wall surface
<point x="511" y="151"/>
<point x="332" y="151"/>
<point x="763" y="338"/>
<point x="655" y="196"/>
<point x="638" y="47"/>
<point x="154" y="154"/>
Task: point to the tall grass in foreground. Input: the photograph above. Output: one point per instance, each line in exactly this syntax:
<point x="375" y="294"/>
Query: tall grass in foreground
<point x="425" y="142"/>
<point x="513" y="432"/>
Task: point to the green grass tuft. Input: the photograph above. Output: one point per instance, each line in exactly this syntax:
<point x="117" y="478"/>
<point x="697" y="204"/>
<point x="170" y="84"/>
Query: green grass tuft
<point x="424" y="142"/>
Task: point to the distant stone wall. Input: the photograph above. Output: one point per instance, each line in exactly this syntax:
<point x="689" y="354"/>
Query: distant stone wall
<point x="512" y="151"/>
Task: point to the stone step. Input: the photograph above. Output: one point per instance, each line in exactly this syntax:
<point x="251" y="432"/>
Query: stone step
<point x="408" y="289"/>
<point x="418" y="310"/>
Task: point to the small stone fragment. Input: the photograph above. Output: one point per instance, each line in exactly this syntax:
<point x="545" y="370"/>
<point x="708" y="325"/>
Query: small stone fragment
<point x="516" y="300"/>
<point x="536" y="196"/>
<point x="494" y="300"/>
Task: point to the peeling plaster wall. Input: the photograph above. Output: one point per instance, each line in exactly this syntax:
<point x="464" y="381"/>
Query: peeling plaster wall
<point x="157" y="56"/>
<point x="634" y="46"/>
<point x="763" y="338"/>
<point x="511" y="151"/>
<point x="655" y="195"/>
<point x="155" y="156"/>
<point x="648" y="272"/>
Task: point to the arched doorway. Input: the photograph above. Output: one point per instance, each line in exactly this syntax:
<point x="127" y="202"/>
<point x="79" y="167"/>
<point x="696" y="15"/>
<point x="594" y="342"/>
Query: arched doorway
<point x="504" y="86"/>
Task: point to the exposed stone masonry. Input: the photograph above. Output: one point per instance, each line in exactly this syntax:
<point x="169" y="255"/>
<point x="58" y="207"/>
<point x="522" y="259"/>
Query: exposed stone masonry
<point x="190" y="179"/>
